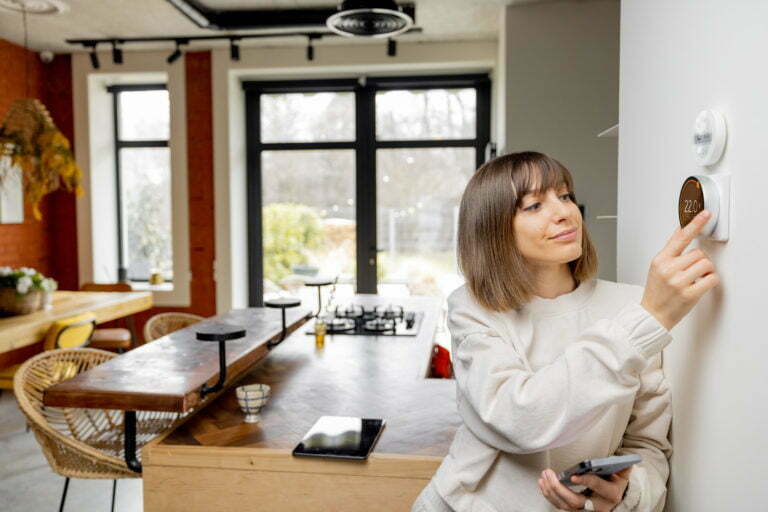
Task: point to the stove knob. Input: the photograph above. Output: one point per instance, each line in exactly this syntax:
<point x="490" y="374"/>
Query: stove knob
<point x="410" y="319"/>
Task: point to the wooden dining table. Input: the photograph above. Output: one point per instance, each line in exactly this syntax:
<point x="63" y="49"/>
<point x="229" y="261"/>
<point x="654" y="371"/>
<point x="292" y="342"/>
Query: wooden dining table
<point x="23" y="330"/>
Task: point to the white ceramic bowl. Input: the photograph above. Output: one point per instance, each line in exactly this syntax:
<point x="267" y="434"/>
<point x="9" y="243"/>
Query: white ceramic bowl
<point x="252" y="398"/>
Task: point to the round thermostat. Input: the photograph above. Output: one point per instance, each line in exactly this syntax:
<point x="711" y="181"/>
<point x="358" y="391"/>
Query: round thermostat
<point x="709" y="134"/>
<point x="699" y="193"/>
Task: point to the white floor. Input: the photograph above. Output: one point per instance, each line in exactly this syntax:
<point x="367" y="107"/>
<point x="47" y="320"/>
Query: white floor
<point x="28" y="484"/>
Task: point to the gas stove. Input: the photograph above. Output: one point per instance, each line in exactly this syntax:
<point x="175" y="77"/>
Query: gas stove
<point x="356" y="319"/>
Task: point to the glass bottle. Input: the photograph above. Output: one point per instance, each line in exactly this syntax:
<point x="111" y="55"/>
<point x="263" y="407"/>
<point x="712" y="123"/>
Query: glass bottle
<point x="320" y="330"/>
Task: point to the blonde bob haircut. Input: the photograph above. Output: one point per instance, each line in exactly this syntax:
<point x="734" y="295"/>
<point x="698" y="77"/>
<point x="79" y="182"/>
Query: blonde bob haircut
<point x="498" y="276"/>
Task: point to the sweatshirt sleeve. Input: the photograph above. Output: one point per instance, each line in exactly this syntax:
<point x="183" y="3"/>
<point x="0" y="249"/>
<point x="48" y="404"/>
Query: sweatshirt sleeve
<point x="519" y="411"/>
<point x="647" y="435"/>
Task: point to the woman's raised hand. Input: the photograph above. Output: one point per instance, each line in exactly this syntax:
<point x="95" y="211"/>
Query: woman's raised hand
<point x="677" y="281"/>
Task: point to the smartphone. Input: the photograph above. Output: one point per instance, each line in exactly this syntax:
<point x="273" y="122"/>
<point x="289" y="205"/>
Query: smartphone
<point x="603" y="468"/>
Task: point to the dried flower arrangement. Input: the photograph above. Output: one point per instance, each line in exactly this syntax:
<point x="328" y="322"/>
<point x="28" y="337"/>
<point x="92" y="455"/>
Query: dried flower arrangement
<point x="29" y="137"/>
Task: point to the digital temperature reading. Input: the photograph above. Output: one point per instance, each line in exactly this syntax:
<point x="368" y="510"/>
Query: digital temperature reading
<point x="702" y="192"/>
<point x="691" y="200"/>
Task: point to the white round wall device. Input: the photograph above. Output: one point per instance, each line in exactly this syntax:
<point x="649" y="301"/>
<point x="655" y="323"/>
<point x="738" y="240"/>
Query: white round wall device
<point x="709" y="134"/>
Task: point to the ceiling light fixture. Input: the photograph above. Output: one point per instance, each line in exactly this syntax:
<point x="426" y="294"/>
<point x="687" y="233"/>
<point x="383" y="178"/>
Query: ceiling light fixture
<point x="185" y="39"/>
<point x="117" y="53"/>
<point x="310" y="48"/>
<point x="173" y="57"/>
<point x="369" y="18"/>
<point x="94" y="57"/>
<point x="35" y="6"/>
<point x="234" y="49"/>
<point x="391" y="47"/>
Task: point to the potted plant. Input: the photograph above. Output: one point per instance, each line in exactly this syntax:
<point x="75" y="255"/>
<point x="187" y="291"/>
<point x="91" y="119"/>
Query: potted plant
<point x="24" y="290"/>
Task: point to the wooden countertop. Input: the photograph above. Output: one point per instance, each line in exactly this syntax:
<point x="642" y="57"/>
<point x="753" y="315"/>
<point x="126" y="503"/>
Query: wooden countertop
<point x="167" y="374"/>
<point x="22" y="330"/>
<point x="368" y="376"/>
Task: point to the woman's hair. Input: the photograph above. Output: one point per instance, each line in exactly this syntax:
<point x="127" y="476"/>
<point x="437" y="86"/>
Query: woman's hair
<point x="498" y="276"/>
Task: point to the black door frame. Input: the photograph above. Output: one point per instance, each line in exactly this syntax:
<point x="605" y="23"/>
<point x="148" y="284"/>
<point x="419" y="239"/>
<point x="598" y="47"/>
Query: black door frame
<point x="365" y="147"/>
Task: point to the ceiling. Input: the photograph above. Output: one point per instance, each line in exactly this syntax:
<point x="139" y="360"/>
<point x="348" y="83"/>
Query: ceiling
<point x="441" y="20"/>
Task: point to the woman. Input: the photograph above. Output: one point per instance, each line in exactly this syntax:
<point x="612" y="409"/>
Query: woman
<point x="552" y="365"/>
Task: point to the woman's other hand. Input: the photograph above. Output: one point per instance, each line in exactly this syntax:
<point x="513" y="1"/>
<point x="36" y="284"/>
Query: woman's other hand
<point x="606" y="494"/>
<point x="677" y="281"/>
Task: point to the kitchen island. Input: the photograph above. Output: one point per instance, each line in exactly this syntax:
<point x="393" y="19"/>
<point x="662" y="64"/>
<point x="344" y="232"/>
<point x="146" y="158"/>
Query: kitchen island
<point x="216" y="461"/>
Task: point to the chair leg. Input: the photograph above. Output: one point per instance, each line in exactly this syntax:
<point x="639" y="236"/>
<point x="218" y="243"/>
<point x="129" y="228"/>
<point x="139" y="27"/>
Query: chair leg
<point x="114" y="489"/>
<point x="64" y="495"/>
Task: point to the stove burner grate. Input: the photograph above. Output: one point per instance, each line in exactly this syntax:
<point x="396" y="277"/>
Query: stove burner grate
<point x="379" y="325"/>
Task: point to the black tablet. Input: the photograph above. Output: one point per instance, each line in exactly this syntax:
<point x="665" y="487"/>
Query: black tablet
<point x="342" y="437"/>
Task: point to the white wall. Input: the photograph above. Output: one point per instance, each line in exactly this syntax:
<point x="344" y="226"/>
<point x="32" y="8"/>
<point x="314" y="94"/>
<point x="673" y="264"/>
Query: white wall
<point x="562" y="71"/>
<point x="678" y="58"/>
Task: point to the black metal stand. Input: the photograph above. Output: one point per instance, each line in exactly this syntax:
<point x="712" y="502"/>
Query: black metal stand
<point x="319" y="283"/>
<point x="129" y="431"/>
<point x="64" y="495"/>
<point x="281" y="303"/>
<point x="222" y="372"/>
<point x="220" y="333"/>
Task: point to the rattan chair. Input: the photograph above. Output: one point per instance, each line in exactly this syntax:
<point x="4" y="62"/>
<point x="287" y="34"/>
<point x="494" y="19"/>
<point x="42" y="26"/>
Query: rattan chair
<point x="80" y="443"/>
<point x="71" y="332"/>
<point x="166" y="323"/>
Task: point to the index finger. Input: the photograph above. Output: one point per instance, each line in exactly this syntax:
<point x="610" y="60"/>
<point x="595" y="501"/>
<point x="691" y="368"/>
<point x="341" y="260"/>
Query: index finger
<point x="684" y="236"/>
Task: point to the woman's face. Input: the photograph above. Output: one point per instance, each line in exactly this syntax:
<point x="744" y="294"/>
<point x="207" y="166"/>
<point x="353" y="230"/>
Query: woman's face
<point x="538" y="221"/>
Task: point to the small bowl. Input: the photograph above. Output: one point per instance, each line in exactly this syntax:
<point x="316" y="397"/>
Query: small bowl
<point x="252" y="398"/>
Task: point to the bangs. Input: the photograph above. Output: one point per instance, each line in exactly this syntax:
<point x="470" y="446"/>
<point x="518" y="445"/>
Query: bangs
<point x="538" y="175"/>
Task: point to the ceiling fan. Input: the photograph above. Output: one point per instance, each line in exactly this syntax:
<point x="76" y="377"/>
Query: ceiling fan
<point x="352" y="18"/>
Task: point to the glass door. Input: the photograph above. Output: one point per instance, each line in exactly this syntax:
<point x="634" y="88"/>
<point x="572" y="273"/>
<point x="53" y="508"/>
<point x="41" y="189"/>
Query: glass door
<point x="426" y="155"/>
<point x="308" y="193"/>
<point x="360" y="180"/>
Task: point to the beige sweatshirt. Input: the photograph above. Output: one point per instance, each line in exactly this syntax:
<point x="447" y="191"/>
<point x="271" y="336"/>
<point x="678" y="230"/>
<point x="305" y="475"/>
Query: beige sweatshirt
<point x="557" y="382"/>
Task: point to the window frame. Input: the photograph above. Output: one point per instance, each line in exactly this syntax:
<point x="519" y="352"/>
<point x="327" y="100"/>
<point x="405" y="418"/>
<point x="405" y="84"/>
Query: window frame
<point x="119" y="144"/>
<point x="365" y="146"/>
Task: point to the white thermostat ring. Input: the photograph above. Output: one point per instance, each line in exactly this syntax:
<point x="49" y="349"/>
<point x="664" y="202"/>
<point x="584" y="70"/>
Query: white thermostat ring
<point x="709" y="135"/>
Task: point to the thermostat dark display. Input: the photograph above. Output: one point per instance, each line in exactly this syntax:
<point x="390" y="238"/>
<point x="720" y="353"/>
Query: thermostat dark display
<point x="691" y="200"/>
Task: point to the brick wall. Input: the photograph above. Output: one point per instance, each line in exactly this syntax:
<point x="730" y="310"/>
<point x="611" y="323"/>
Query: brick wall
<point x="23" y="244"/>
<point x="50" y="245"/>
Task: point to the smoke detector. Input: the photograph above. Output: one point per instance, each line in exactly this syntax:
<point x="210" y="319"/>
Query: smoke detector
<point x="369" y="18"/>
<point x="35" y="6"/>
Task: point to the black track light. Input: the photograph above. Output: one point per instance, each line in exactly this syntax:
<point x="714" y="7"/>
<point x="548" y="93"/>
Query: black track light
<point x="117" y="53"/>
<point x="234" y="50"/>
<point x="94" y="58"/>
<point x="391" y="47"/>
<point x="310" y="50"/>
<point x="173" y="57"/>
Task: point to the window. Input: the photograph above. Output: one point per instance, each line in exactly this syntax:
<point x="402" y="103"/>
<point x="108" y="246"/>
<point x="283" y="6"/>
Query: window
<point x="360" y="180"/>
<point x="143" y="181"/>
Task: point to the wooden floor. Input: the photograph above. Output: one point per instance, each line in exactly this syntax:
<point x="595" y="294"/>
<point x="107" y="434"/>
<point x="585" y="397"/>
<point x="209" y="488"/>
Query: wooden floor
<point x="27" y="482"/>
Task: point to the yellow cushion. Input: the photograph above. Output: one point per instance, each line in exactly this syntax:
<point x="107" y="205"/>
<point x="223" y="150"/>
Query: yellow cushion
<point x="71" y="332"/>
<point x="6" y="376"/>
